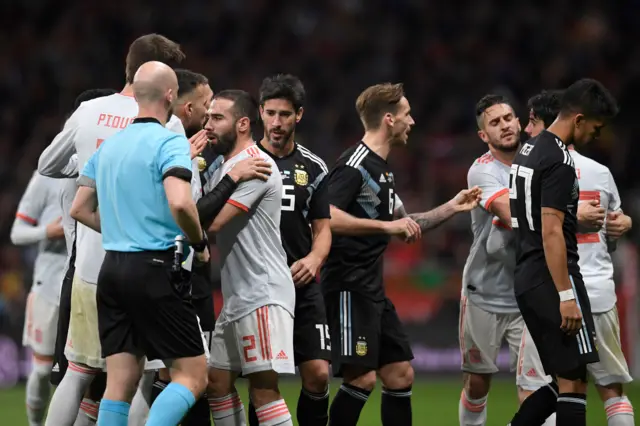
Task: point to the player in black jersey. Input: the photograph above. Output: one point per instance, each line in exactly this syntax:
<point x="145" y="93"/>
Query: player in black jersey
<point x="194" y="97"/>
<point x="306" y="238"/>
<point x="367" y="336"/>
<point x="549" y="289"/>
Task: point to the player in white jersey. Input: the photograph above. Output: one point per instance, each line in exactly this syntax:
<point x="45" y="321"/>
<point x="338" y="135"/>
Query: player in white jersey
<point x="93" y="122"/>
<point x="254" y="332"/>
<point x="38" y="222"/>
<point x="488" y="310"/>
<point x="597" y="187"/>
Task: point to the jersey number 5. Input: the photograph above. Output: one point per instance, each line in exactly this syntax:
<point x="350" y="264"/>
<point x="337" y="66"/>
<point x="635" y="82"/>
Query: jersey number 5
<point x="288" y="198"/>
<point x="524" y="174"/>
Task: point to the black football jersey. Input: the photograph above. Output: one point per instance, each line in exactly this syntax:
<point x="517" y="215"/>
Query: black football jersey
<point x="201" y="279"/>
<point x="362" y="185"/>
<point x="542" y="175"/>
<point x="304" y="199"/>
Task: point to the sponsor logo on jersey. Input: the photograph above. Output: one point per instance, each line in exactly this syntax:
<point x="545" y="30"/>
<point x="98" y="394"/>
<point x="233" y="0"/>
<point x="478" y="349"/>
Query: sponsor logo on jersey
<point x="382" y="178"/>
<point x="361" y="348"/>
<point x="301" y="177"/>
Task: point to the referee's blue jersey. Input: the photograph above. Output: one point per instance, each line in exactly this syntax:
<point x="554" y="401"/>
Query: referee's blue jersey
<point x="128" y="170"/>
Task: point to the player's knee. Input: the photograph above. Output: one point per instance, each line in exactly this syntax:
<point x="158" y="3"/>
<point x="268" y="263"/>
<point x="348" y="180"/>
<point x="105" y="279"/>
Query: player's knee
<point x="477" y="385"/>
<point x="42" y="366"/>
<point x="573" y="381"/>
<point x="397" y="375"/>
<point x="315" y="376"/>
<point x="164" y="375"/>
<point x="613" y="390"/>
<point x="363" y="379"/>
<point x="220" y="383"/>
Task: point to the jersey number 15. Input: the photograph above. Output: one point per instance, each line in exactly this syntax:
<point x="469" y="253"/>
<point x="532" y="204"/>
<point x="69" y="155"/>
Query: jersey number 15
<point x="525" y="175"/>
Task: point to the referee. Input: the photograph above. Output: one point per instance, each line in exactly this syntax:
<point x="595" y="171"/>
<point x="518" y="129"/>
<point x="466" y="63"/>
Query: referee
<point x="141" y="177"/>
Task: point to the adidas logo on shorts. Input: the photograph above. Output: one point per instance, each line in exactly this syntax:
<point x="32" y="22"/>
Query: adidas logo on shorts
<point x="282" y="355"/>
<point x="532" y="373"/>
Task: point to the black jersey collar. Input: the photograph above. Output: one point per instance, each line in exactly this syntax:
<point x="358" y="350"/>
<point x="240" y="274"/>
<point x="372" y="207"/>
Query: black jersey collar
<point x="145" y="120"/>
<point x="295" y="148"/>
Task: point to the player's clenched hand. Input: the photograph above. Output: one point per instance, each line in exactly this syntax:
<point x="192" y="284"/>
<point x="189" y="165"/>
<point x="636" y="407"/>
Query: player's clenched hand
<point x="571" y="316"/>
<point x="55" y="230"/>
<point x="617" y="224"/>
<point x="203" y="256"/>
<point x="467" y="199"/>
<point x="250" y="168"/>
<point x="590" y="214"/>
<point x="305" y="270"/>
<point x="405" y="228"/>
<point x="198" y="142"/>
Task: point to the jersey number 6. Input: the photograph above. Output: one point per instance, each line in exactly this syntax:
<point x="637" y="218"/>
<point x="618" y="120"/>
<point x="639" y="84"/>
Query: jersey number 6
<point x="288" y="198"/>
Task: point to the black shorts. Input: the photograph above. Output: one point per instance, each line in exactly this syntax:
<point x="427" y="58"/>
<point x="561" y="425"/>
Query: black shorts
<point x="560" y="354"/>
<point x="364" y="332"/>
<point x="310" y="329"/>
<point x="60" y="362"/>
<point x="140" y="310"/>
<point x="207" y="316"/>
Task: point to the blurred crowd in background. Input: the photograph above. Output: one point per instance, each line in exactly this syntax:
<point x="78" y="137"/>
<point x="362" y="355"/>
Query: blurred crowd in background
<point x="448" y="54"/>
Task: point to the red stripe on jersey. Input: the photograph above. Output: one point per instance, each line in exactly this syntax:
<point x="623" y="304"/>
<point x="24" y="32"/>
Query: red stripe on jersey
<point x="588" y="238"/>
<point x="238" y="205"/>
<point x="28" y="219"/>
<point x="590" y="195"/>
<point x="494" y="196"/>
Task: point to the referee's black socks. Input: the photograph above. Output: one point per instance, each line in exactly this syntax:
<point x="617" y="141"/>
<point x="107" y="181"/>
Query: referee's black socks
<point x="537" y="407"/>
<point x="571" y="409"/>
<point x="396" y="407"/>
<point x="347" y="405"/>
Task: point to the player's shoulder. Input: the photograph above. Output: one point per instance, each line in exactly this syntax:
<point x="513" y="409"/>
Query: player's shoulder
<point x="312" y="162"/>
<point x="104" y="103"/>
<point x="175" y="125"/>
<point x="355" y="156"/>
<point x="588" y="164"/>
<point x="486" y="163"/>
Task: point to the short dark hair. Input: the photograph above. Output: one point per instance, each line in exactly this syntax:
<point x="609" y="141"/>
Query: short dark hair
<point x="283" y="86"/>
<point x="188" y="81"/>
<point x="152" y="47"/>
<point x="486" y="102"/>
<point x="90" y="94"/>
<point x="545" y="106"/>
<point x="243" y="103"/>
<point x="376" y="101"/>
<point x="590" y="98"/>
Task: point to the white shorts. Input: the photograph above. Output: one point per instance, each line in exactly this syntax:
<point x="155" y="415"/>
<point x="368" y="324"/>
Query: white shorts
<point x="260" y="341"/>
<point x="612" y="367"/>
<point x="481" y="334"/>
<point x="83" y="344"/>
<point x="40" y="325"/>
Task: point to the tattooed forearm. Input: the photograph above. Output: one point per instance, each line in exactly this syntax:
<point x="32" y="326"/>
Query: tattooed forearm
<point x="401" y="212"/>
<point x="433" y="218"/>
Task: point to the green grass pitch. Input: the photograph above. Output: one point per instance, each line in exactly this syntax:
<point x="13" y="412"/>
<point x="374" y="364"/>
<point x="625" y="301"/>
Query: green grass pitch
<point x="435" y="402"/>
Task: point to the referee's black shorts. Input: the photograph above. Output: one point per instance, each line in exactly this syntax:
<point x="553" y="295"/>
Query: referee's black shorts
<point x="140" y="310"/>
<point x="561" y="354"/>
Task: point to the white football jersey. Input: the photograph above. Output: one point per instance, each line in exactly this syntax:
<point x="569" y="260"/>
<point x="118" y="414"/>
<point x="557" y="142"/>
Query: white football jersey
<point x="93" y="122"/>
<point x="596" y="267"/>
<point x="254" y="264"/>
<point x="487" y="278"/>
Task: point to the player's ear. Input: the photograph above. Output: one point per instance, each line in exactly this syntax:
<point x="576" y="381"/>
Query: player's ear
<point x="261" y="110"/>
<point x="188" y="108"/>
<point x="578" y="120"/>
<point x="519" y="125"/>
<point x="243" y="125"/>
<point x="299" y="114"/>
<point x="483" y="135"/>
<point x="389" y="119"/>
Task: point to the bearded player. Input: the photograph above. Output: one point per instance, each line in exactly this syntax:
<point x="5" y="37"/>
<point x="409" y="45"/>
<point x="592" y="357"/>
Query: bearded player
<point x="488" y="310"/>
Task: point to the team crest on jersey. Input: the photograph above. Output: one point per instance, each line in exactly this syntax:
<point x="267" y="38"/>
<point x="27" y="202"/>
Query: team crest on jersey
<point x="202" y="163"/>
<point x="361" y="347"/>
<point x="301" y="177"/>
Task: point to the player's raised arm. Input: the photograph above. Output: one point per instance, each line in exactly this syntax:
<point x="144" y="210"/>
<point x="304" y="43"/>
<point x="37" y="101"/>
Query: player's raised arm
<point x="56" y="160"/>
<point x="466" y="200"/>
<point x="557" y="185"/>
<point x="210" y="205"/>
